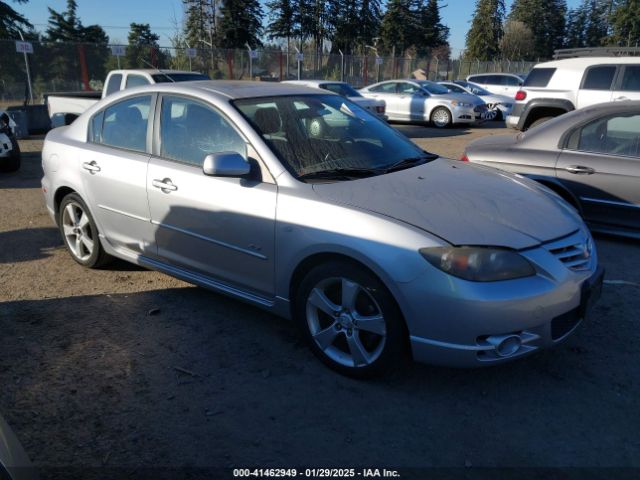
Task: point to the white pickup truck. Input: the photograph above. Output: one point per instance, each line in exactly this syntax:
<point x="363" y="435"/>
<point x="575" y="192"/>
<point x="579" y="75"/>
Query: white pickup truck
<point x="65" y="107"/>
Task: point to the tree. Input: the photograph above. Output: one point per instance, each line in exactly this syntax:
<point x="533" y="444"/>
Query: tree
<point x="588" y="24"/>
<point x="241" y="23"/>
<point x="201" y="24"/>
<point x="576" y="28"/>
<point x="281" y="21"/>
<point x="546" y="19"/>
<point x="483" y="38"/>
<point x="517" y="42"/>
<point x="397" y="26"/>
<point x="11" y="22"/>
<point x="430" y="32"/>
<point x="625" y="23"/>
<point x="143" y="50"/>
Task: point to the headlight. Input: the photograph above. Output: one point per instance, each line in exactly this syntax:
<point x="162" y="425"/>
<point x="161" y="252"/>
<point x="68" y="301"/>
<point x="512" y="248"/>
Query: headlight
<point x="455" y="103"/>
<point x="479" y="264"/>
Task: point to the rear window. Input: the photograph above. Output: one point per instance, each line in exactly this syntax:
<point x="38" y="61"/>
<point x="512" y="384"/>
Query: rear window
<point x="539" y="77"/>
<point x="164" y="77"/>
<point x="599" y="78"/>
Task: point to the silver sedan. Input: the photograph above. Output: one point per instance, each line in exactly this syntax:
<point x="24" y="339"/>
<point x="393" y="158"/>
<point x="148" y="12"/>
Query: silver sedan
<point x="425" y="101"/>
<point x="499" y="106"/>
<point x="590" y="157"/>
<point x="305" y="204"/>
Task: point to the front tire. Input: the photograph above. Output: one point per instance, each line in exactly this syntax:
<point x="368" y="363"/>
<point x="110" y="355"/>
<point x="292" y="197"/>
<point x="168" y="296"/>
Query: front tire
<point x="441" y="118"/>
<point x="539" y="121"/>
<point x="80" y="233"/>
<point x="350" y="320"/>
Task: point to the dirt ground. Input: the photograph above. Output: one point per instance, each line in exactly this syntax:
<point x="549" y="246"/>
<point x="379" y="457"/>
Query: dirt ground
<point x="118" y="372"/>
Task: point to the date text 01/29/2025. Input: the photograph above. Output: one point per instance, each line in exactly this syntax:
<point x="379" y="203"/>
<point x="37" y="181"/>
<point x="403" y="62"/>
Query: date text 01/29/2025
<point x="315" y="473"/>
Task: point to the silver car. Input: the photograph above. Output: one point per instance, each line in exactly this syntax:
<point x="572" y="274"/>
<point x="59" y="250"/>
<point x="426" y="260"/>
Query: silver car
<point x="425" y="101"/>
<point x="305" y="204"/>
<point x="590" y="157"/>
<point x="499" y="106"/>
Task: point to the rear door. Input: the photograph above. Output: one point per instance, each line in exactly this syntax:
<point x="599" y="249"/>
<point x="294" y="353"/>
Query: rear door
<point x="388" y="92"/>
<point x="628" y="85"/>
<point x="115" y="172"/>
<point x="411" y="101"/>
<point x="601" y="166"/>
<point x="597" y="85"/>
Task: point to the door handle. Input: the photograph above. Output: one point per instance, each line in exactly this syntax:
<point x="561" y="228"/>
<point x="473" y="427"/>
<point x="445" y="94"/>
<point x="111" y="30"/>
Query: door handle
<point x="92" y="167"/>
<point x="620" y="99"/>
<point x="580" y="170"/>
<point x="165" y="185"/>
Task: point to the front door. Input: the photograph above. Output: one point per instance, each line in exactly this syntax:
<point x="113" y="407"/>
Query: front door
<point x="602" y="167"/>
<point x="222" y="228"/>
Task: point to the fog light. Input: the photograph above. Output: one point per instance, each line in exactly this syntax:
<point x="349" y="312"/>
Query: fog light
<point x="505" y="345"/>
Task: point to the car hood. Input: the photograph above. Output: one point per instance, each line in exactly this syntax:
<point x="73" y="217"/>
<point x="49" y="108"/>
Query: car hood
<point x="494" y="98"/>
<point x="460" y="97"/>
<point x="460" y="203"/>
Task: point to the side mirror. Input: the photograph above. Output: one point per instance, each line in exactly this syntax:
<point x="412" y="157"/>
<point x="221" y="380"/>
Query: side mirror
<point x="226" y="164"/>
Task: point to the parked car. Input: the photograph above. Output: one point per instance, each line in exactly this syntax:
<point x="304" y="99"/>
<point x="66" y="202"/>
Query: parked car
<point x="14" y="462"/>
<point x="590" y="157"/>
<point x="555" y="88"/>
<point x="65" y="107"/>
<point x="371" y="244"/>
<point x="9" y="147"/>
<point x="425" y="101"/>
<point x="375" y="106"/>
<point x="498" y="106"/>
<point x="499" y="83"/>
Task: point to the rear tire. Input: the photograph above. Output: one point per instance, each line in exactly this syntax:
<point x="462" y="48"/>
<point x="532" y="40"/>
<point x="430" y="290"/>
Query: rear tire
<point x="350" y="320"/>
<point x="80" y="233"/>
<point x="539" y="121"/>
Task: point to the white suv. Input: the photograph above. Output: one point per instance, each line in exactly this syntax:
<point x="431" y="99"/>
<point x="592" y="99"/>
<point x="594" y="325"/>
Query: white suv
<point x="557" y="87"/>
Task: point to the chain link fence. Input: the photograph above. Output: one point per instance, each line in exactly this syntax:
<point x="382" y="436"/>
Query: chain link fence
<point x="59" y="67"/>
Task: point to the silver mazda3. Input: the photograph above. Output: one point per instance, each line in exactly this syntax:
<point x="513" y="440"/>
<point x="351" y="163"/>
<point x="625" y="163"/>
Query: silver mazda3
<point x="302" y="203"/>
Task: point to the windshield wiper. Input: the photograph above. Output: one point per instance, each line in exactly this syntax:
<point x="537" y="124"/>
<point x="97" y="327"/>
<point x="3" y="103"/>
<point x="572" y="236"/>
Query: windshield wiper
<point x="344" y="173"/>
<point x="411" y="162"/>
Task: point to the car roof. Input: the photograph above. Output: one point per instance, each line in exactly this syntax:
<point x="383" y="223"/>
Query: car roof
<point x="155" y="71"/>
<point x="314" y="82"/>
<point x="232" y="89"/>
<point x="582" y="62"/>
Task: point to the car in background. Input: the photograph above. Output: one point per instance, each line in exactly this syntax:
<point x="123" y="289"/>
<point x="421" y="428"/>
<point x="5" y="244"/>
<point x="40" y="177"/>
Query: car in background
<point x="499" y="106"/>
<point x="424" y="101"/>
<point x="375" y="106"/>
<point x="590" y="157"/>
<point x="377" y="249"/>
<point x="9" y="148"/>
<point x="499" y="83"/>
<point x="65" y="107"/>
<point x="14" y="462"/>
<point x="555" y="88"/>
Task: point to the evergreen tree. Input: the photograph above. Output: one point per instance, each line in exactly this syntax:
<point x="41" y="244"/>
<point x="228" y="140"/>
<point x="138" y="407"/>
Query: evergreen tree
<point x="483" y="38"/>
<point x="576" y="28"/>
<point x="281" y="20"/>
<point x="625" y="23"/>
<point x="11" y="21"/>
<point x="143" y="50"/>
<point x="241" y="23"/>
<point x="397" y="28"/>
<point x="546" y="19"/>
<point x="429" y="30"/>
<point x="588" y="24"/>
<point x="201" y="22"/>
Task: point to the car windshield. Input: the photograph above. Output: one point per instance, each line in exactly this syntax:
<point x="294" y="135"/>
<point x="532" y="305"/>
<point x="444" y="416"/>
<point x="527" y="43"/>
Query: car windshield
<point x="341" y="89"/>
<point x="433" y="88"/>
<point x="178" y="77"/>
<point x="328" y="135"/>
<point x="475" y="89"/>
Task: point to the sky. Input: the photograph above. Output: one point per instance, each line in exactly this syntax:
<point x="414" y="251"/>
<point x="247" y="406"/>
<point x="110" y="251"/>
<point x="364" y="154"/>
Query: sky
<point x="116" y="15"/>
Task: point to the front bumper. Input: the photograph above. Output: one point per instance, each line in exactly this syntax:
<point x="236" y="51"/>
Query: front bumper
<point x="512" y="122"/>
<point x="469" y="115"/>
<point x="458" y="323"/>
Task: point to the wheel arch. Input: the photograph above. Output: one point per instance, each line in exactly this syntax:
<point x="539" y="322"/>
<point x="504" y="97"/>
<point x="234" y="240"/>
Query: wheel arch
<point x="561" y="190"/>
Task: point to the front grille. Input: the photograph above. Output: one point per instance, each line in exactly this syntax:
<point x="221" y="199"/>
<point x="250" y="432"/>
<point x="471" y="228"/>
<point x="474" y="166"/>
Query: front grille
<point x="564" y="323"/>
<point x="573" y="251"/>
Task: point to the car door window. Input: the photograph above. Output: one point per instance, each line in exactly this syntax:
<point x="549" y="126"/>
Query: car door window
<point x="136" y="81"/>
<point x="599" y="78"/>
<point x="619" y="135"/>
<point x="455" y="88"/>
<point x="190" y="130"/>
<point x="385" y="88"/>
<point x="405" y="88"/>
<point x="631" y="79"/>
<point x="113" y="85"/>
<point x="125" y="124"/>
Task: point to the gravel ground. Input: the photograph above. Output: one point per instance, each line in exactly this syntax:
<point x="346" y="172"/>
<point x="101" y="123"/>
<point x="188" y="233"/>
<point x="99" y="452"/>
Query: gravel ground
<point x="130" y="369"/>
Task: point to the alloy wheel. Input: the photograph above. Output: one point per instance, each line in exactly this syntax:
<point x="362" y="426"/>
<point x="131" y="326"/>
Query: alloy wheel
<point x="346" y="322"/>
<point x="77" y="231"/>
<point x="441" y="118"/>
